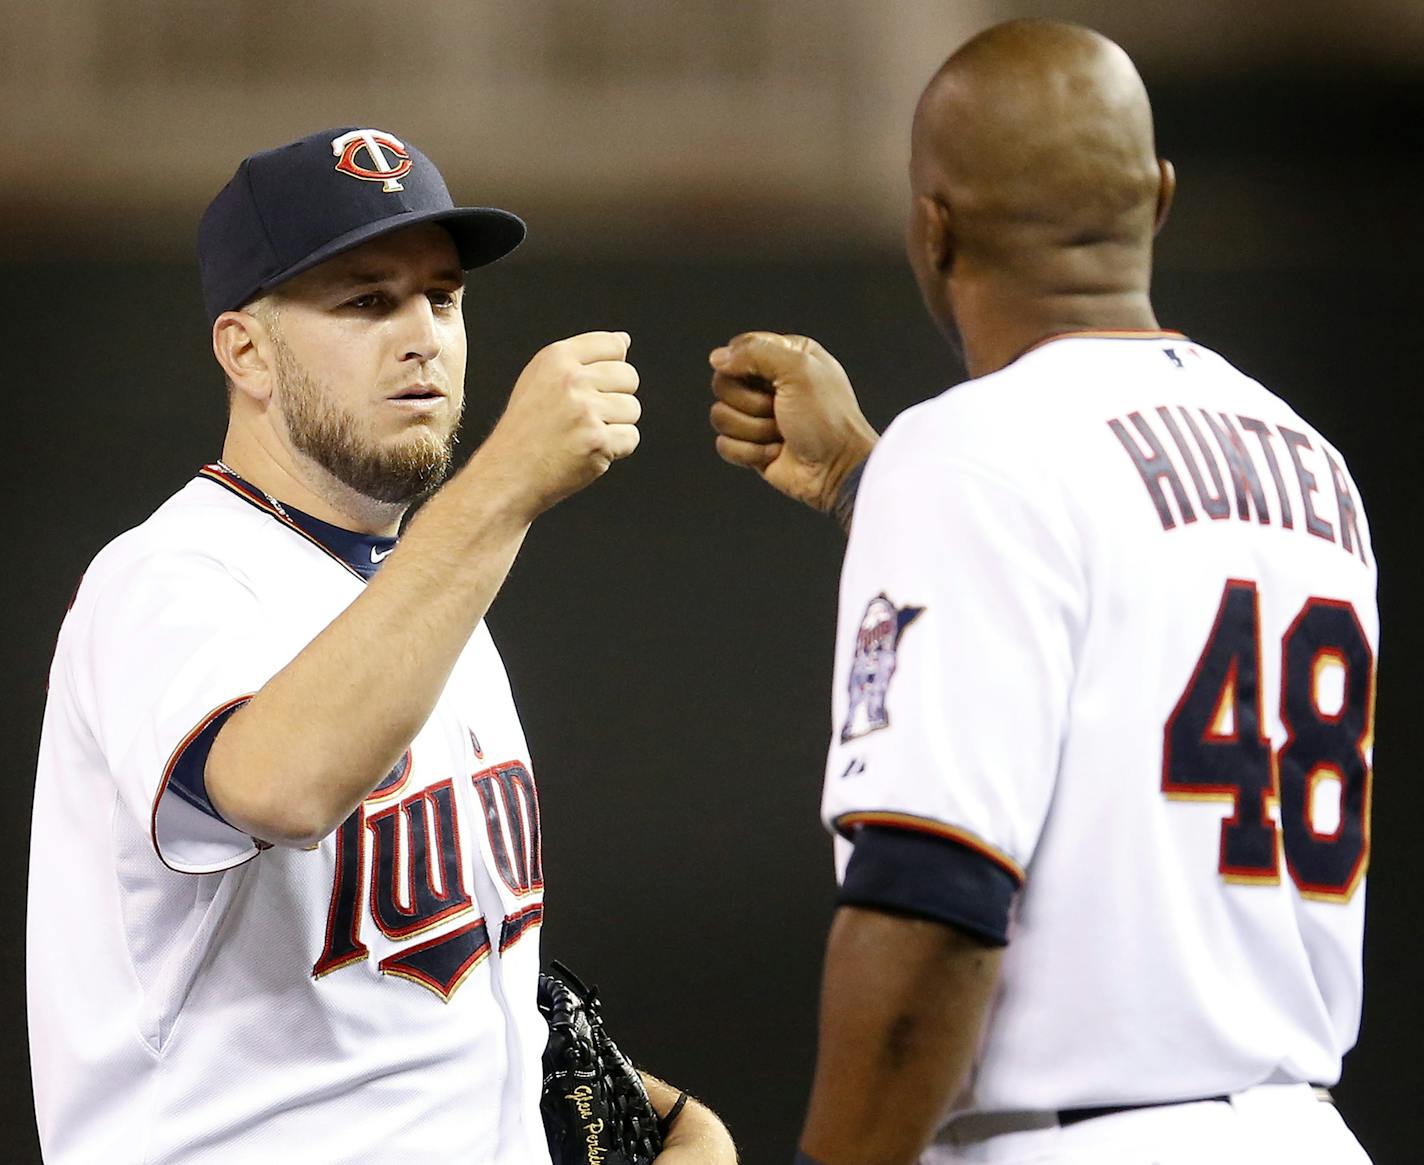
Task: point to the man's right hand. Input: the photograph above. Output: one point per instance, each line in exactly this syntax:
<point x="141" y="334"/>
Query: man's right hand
<point x="786" y="409"/>
<point x="572" y="414"/>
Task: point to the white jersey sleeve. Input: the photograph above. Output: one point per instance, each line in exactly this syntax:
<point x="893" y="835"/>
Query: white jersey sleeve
<point x="173" y="643"/>
<point x="959" y="608"/>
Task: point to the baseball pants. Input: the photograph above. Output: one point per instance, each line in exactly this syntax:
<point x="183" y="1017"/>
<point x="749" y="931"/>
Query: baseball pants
<point x="1273" y="1124"/>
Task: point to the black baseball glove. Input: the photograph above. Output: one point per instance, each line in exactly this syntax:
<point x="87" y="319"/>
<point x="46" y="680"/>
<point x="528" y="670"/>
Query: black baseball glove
<point x="596" y="1110"/>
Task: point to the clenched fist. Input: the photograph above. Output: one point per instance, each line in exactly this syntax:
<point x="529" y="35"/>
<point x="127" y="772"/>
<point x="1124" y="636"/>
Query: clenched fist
<point x="572" y="414"/>
<point x="786" y="409"/>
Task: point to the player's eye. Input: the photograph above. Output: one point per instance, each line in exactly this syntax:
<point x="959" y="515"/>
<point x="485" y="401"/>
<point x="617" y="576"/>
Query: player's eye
<point x="366" y="301"/>
<point x="442" y="300"/>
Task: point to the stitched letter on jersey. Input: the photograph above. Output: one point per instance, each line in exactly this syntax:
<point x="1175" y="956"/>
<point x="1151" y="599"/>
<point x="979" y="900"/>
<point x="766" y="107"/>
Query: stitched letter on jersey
<point x="416" y="884"/>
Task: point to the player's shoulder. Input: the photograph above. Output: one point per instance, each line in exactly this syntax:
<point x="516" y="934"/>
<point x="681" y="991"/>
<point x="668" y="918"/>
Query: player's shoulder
<point x="1035" y="420"/>
<point x="200" y="529"/>
<point x="989" y="425"/>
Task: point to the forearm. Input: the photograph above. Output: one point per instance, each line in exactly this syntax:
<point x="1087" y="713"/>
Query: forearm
<point x="697" y="1136"/>
<point x="292" y="764"/>
<point x="891" y="1060"/>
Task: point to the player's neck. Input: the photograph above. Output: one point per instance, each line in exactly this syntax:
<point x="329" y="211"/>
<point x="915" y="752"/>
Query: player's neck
<point x="297" y="481"/>
<point x="1000" y="323"/>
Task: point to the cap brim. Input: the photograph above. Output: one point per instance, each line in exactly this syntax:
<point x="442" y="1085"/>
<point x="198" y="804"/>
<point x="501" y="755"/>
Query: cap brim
<point x="482" y="234"/>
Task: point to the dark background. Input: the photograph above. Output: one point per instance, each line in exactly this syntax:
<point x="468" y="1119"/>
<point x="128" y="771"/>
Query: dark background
<point x="669" y="632"/>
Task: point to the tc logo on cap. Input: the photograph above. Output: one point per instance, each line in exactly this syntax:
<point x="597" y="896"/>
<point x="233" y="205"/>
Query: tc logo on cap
<point x="375" y="142"/>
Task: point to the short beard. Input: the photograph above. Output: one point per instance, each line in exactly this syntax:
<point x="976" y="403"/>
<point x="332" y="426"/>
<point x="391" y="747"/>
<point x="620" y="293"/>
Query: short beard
<point x="330" y="436"/>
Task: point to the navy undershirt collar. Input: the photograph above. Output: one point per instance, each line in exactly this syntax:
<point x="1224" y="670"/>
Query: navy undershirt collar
<point x="363" y="553"/>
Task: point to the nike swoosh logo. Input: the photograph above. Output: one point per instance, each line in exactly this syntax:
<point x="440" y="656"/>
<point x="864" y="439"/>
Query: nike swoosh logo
<point x="380" y="555"/>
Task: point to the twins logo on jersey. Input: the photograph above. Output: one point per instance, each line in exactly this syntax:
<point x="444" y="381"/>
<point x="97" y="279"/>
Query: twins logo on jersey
<point x="414" y="842"/>
<point x="876" y="645"/>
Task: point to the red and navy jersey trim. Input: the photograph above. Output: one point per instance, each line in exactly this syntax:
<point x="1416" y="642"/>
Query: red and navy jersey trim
<point x="847" y="824"/>
<point x="185" y="768"/>
<point x="1107" y="334"/>
<point x="360" y="554"/>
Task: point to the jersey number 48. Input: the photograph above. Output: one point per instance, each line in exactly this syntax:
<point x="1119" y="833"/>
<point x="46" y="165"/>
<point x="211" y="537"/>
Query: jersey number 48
<point x="1214" y="746"/>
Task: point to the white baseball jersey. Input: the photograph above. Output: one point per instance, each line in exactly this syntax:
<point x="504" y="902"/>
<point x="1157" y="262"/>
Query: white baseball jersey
<point x="1107" y="649"/>
<point x="196" y="997"/>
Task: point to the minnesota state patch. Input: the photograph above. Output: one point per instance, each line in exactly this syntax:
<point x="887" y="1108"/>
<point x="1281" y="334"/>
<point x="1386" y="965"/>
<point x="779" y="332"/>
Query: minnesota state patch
<point x="876" y="645"/>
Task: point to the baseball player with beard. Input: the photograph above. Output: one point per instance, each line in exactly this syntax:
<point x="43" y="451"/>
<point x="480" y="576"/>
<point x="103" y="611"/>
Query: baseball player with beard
<point x="286" y="886"/>
<point x="1104" y="689"/>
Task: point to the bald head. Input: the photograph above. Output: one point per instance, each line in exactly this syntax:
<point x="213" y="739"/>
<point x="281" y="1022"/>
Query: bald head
<point x="1033" y="162"/>
<point x="1043" y="128"/>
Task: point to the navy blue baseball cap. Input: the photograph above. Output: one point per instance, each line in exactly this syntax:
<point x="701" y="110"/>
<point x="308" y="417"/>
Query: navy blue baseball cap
<point x="288" y="209"/>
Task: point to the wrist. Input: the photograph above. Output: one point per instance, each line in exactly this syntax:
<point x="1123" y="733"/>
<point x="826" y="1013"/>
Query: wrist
<point x="492" y="487"/>
<point x="479" y="516"/>
<point x="842" y="479"/>
<point x="667" y="1119"/>
<point x="698" y="1136"/>
<point x="843" y="507"/>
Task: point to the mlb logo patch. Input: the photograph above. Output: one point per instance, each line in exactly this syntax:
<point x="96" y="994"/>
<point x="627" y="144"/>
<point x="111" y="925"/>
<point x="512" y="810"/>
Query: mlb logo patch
<point x="876" y="645"/>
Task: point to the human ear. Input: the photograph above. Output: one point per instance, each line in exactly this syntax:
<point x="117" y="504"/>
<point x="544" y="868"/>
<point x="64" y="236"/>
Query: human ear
<point x="936" y="233"/>
<point x="242" y="343"/>
<point x="1166" y="188"/>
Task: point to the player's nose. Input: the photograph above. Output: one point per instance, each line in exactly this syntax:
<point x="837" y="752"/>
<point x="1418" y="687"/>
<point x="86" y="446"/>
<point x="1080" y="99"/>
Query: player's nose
<point x="418" y="330"/>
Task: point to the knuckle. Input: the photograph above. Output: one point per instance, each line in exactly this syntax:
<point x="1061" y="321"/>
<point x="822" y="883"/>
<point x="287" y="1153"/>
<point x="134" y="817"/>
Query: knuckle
<point x="573" y="378"/>
<point x="593" y="440"/>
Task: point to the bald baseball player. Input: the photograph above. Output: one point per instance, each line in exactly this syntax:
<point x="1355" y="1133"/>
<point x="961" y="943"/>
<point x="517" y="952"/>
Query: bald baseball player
<point x="286" y="883"/>
<point x="1102" y="717"/>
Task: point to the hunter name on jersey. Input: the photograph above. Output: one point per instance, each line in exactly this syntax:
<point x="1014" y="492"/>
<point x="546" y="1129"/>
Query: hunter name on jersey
<point x="1318" y="497"/>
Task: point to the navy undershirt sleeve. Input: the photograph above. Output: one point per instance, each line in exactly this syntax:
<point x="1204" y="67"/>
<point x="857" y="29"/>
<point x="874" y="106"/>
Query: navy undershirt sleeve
<point x="187" y="778"/>
<point x="908" y="872"/>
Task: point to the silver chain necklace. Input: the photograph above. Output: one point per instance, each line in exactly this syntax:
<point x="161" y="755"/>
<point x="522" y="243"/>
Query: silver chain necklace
<point x="276" y="505"/>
